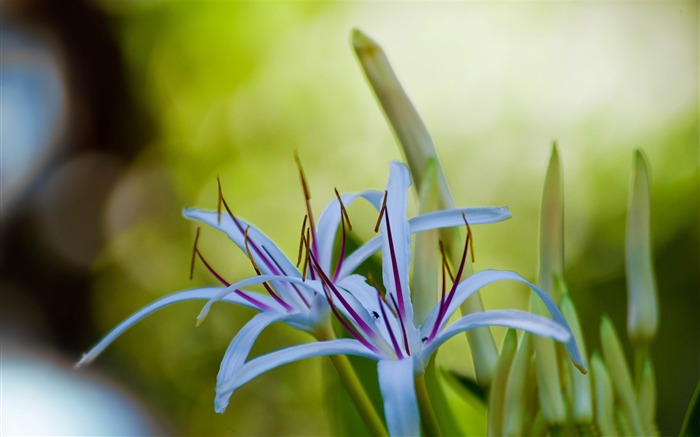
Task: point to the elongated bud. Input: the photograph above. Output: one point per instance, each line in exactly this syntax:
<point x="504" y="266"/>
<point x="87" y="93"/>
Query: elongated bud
<point x="620" y="375"/>
<point x="642" y="315"/>
<point x="515" y="403"/>
<point x="552" y="226"/>
<point x="402" y="115"/>
<point x="548" y="380"/>
<point x="419" y="149"/>
<point x="497" y="393"/>
<point x="604" y="397"/>
<point x="580" y="395"/>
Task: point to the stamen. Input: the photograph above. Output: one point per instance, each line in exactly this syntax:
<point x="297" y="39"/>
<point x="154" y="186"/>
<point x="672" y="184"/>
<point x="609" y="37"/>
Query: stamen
<point x="403" y="329"/>
<point x="194" y="253"/>
<point x="470" y="236"/>
<point x="269" y="289"/>
<point x="455" y="282"/>
<point x="301" y="239"/>
<point x="445" y="262"/>
<point x="218" y="204"/>
<point x="381" y="212"/>
<point x="392" y="337"/>
<point x="247" y="251"/>
<point x="343" y="211"/>
<point x="330" y="286"/>
<point x="307" y="198"/>
<point x="341" y="254"/>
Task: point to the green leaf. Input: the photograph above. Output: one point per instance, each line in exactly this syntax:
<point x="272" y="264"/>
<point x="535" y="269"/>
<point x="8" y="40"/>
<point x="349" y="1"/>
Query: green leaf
<point x="604" y="397"/>
<point x="691" y="423"/>
<point x="466" y="399"/>
<point x="515" y="405"/>
<point x="580" y="396"/>
<point x="620" y="375"/>
<point x="497" y="393"/>
<point x="642" y="316"/>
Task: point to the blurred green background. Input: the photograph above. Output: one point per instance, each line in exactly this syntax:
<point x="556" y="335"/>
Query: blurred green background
<point x="231" y="89"/>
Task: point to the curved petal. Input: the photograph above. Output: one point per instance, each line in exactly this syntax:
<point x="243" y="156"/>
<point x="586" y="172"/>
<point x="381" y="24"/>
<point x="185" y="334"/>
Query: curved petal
<point x="396" y="240"/>
<point x="238" y="350"/>
<point x="396" y="382"/>
<point x="182" y="296"/>
<point x="352" y="261"/>
<point x="266" y="254"/>
<point x="309" y="284"/>
<point x="264" y="363"/>
<point x="479" y="280"/>
<point x="453" y="217"/>
<point x="327" y="226"/>
<point x="516" y="319"/>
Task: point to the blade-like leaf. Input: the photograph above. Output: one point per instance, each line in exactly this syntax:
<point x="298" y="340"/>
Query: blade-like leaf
<point x="604" y="397"/>
<point x="497" y="393"/>
<point x="620" y="374"/>
<point x="552" y="227"/>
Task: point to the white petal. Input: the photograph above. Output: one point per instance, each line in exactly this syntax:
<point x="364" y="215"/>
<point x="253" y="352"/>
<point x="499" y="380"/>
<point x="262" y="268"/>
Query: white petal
<point x="264" y="363"/>
<point x="517" y="319"/>
<point x="229" y="291"/>
<point x="395" y="268"/>
<point x="239" y="348"/>
<point x="478" y="280"/>
<point x="453" y="217"/>
<point x="329" y="220"/>
<point x="194" y="294"/>
<point x="396" y="382"/>
<point x="278" y="265"/>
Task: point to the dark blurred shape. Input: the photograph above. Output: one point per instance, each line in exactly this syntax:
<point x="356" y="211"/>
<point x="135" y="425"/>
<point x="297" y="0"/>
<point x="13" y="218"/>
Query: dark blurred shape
<point x="70" y="126"/>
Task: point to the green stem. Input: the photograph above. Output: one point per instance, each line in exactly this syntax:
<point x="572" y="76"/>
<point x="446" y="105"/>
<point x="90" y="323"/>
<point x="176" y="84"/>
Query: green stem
<point x="427" y="414"/>
<point x="641" y="353"/>
<point x="354" y="387"/>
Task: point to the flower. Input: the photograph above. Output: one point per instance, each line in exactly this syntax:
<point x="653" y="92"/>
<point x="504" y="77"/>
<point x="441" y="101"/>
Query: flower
<point x="294" y="296"/>
<point x="383" y="327"/>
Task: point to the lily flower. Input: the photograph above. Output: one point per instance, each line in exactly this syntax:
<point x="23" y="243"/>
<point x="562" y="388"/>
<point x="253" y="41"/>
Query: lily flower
<point x="294" y="296"/>
<point x="382" y="325"/>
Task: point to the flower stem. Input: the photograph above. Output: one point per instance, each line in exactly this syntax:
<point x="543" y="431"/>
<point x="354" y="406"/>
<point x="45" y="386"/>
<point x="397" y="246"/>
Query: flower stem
<point x="428" y="418"/>
<point x="354" y="387"/>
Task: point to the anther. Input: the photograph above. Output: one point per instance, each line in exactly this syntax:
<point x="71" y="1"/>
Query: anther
<point x="305" y="186"/>
<point x="220" y="201"/>
<point x="343" y="211"/>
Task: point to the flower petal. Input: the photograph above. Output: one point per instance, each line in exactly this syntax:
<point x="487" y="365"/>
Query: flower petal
<point x="396" y="382"/>
<point x="479" y="280"/>
<point x="425" y="222"/>
<point x="264" y="363"/>
<point x="396" y="243"/>
<point x="238" y="350"/>
<point x="269" y="257"/>
<point x="182" y="296"/>
<point x="453" y="217"/>
<point x="228" y="291"/>
<point x="517" y="319"/>
<point x="328" y="222"/>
